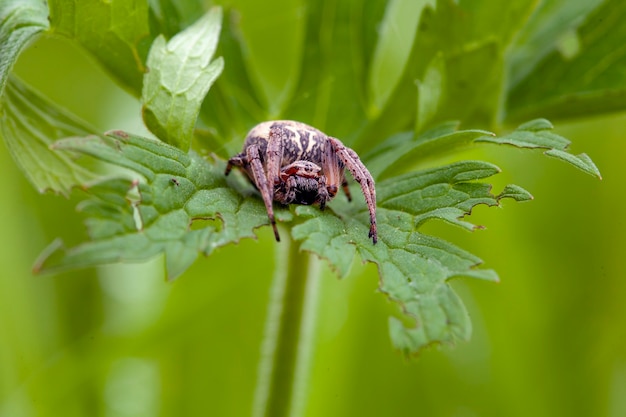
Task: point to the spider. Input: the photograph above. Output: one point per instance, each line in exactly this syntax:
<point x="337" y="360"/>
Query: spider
<point x="293" y="163"/>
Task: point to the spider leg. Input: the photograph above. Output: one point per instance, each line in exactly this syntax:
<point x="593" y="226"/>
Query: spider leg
<point x="361" y="175"/>
<point x="323" y="195"/>
<point x="235" y="161"/>
<point x="274" y="158"/>
<point x="346" y="190"/>
<point x="290" y="195"/>
<point x="260" y="179"/>
<point x="332" y="169"/>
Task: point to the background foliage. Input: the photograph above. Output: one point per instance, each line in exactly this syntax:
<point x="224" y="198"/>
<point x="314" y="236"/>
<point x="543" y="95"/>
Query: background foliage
<point x="548" y="340"/>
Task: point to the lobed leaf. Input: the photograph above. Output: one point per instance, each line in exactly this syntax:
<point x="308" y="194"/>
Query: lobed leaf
<point x="449" y="62"/>
<point x="154" y="211"/>
<point x="403" y="151"/>
<point x="537" y="134"/>
<point x="29" y="124"/>
<point x="180" y="73"/>
<point x="414" y="268"/>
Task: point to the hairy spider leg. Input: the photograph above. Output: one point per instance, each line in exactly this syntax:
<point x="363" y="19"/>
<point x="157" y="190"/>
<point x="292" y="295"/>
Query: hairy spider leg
<point x="234" y="161"/>
<point x="361" y="175"/>
<point x="346" y="190"/>
<point x="335" y="170"/>
<point x="322" y="191"/>
<point x="332" y="169"/>
<point x="260" y="179"/>
<point x="275" y="143"/>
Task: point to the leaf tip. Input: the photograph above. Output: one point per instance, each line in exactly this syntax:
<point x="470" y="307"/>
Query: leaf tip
<point x="516" y="193"/>
<point x="536" y="125"/>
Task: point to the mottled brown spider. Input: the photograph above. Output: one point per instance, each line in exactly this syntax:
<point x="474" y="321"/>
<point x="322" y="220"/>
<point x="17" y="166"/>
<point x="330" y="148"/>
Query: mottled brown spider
<point x="293" y="163"/>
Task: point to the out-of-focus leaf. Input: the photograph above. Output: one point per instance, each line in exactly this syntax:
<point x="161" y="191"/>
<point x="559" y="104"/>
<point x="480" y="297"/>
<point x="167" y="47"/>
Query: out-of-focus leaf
<point x="332" y="92"/>
<point x="168" y="17"/>
<point x="29" y="124"/>
<point x="180" y="73"/>
<point x="471" y="38"/>
<point x="589" y="79"/>
<point x="402" y="151"/>
<point x="430" y="92"/>
<point x="153" y="213"/>
<point x="20" y="22"/>
<point x="545" y="29"/>
<point x="396" y="35"/>
<point x="414" y="268"/>
<point x="274" y="46"/>
<point x="115" y="32"/>
<point x="472" y="88"/>
<point x="233" y="106"/>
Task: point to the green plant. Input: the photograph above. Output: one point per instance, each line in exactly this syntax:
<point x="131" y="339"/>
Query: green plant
<point x="389" y="96"/>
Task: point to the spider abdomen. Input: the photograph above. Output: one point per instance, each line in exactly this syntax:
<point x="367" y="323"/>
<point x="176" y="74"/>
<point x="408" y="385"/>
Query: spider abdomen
<point x="301" y="142"/>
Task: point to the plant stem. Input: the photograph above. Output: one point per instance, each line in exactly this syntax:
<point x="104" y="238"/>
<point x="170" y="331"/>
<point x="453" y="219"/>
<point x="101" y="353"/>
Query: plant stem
<point x="287" y="348"/>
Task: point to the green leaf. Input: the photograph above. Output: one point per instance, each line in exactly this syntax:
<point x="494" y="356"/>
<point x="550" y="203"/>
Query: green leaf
<point x="414" y="268"/>
<point x="430" y="92"/>
<point x="20" y="22"/>
<point x="232" y="107"/>
<point x="402" y="151"/>
<point x="29" y="123"/>
<point x="471" y="37"/>
<point x="116" y="33"/>
<point x="169" y="17"/>
<point x="388" y="95"/>
<point x="180" y="73"/>
<point x="581" y="79"/>
<point x="273" y="40"/>
<point x="397" y="33"/>
<point x="537" y="134"/>
<point x="332" y="91"/>
<point x="156" y="210"/>
<point x="474" y="79"/>
<point x="546" y="28"/>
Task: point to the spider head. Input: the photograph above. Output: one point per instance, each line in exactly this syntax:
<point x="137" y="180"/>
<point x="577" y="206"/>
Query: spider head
<point x="301" y="182"/>
<point x="301" y="169"/>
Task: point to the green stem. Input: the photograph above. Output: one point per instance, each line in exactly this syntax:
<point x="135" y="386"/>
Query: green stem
<point x="287" y="348"/>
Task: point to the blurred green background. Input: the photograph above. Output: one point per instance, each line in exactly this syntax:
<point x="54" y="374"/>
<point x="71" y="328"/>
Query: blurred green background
<point x="549" y="340"/>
